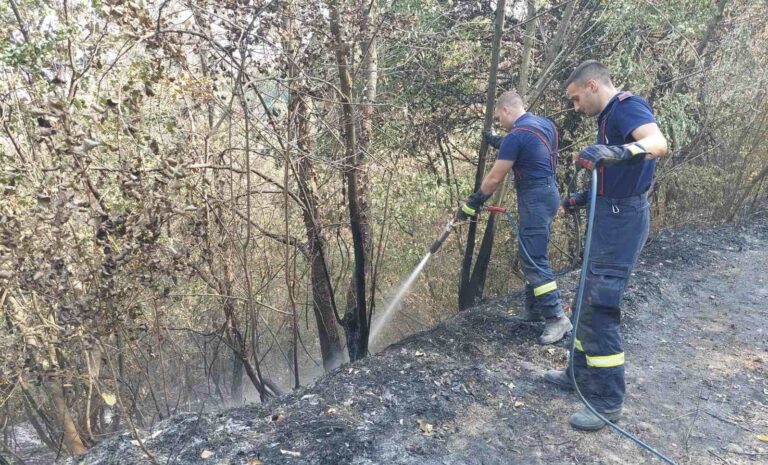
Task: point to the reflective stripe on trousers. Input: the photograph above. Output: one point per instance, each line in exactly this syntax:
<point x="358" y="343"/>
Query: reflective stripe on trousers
<point x="544" y="288"/>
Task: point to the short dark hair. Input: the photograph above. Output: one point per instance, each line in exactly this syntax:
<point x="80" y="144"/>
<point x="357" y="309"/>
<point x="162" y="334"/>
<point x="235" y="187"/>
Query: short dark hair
<point x="510" y="98"/>
<point x="590" y="69"/>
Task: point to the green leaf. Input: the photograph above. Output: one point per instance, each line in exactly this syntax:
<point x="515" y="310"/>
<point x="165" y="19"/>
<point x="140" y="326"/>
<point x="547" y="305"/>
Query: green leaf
<point x="109" y="398"/>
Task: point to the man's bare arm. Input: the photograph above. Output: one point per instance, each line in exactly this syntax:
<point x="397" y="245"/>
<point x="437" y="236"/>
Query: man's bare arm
<point x="650" y="137"/>
<point x="495" y="177"/>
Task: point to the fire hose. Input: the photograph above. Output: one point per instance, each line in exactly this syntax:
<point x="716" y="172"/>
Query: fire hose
<point x="577" y="306"/>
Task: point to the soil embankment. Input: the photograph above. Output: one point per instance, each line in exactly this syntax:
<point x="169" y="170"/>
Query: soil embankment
<point x="469" y="392"/>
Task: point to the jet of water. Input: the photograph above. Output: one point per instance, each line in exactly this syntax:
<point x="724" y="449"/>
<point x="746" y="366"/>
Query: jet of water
<point x="394" y="304"/>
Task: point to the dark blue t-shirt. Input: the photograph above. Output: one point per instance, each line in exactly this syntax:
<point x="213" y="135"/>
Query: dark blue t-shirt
<point x="532" y="145"/>
<point x="625" y="113"/>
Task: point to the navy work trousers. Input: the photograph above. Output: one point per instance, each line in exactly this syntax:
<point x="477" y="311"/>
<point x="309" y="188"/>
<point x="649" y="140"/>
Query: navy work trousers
<point x="620" y="230"/>
<point x="537" y="205"/>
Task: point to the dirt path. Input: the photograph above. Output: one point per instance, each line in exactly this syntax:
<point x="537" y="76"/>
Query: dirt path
<point x="469" y="392"/>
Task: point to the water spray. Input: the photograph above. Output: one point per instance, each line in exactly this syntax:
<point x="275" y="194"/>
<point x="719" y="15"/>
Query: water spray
<point x="394" y="304"/>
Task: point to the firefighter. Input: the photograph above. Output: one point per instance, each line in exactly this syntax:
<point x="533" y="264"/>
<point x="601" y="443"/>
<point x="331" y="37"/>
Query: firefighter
<point x="628" y="143"/>
<point x="530" y="150"/>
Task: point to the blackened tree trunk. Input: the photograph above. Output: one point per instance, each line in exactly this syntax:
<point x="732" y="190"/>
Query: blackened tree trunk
<point x="323" y="299"/>
<point x="466" y="292"/>
<point x="480" y="272"/>
<point x="355" y="318"/>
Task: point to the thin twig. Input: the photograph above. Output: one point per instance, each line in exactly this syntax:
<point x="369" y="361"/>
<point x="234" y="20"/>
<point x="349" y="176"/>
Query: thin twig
<point x="730" y="422"/>
<point x="696" y="417"/>
<point x="749" y="454"/>
<point x="722" y="459"/>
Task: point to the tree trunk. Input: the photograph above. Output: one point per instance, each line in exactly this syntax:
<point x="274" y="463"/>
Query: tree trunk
<point x="525" y="65"/>
<point x="355" y="318"/>
<point x="466" y="292"/>
<point x="71" y="439"/>
<point x="323" y="303"/>
<point x="323" y="299"/>
<point x="480" y="272"/>
<point x="559" y="38"/>
<point x="369" y="12"/>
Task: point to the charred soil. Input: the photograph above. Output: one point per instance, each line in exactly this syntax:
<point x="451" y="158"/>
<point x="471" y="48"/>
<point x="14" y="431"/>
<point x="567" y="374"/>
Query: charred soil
<point x="470" y="392"/>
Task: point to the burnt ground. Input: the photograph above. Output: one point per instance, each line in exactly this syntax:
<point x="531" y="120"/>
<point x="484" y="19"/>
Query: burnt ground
<point x="469" y="392"/>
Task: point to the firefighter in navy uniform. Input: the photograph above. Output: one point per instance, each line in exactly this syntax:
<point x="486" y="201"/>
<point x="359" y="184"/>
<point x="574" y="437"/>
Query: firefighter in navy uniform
<point x="628" y="143"/>
<point x="530" y="150"/>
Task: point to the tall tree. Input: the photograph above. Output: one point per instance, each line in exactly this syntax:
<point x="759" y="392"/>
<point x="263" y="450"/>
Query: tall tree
<point x="466" y="291"/>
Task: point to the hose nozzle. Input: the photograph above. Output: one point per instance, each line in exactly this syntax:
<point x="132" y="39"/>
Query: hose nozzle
<point x="443" y="236"/>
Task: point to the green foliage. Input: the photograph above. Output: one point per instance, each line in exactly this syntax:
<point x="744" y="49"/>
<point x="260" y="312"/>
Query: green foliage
<point x="676" y="119"/>
<point x="136" y="226"/>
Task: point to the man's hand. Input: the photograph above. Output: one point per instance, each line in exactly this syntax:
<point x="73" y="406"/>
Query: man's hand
<point x="608" y="154"/>
<point x="491" y="139"/>
<point x="571" y="203"/>
<point x="471" y="206"/>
